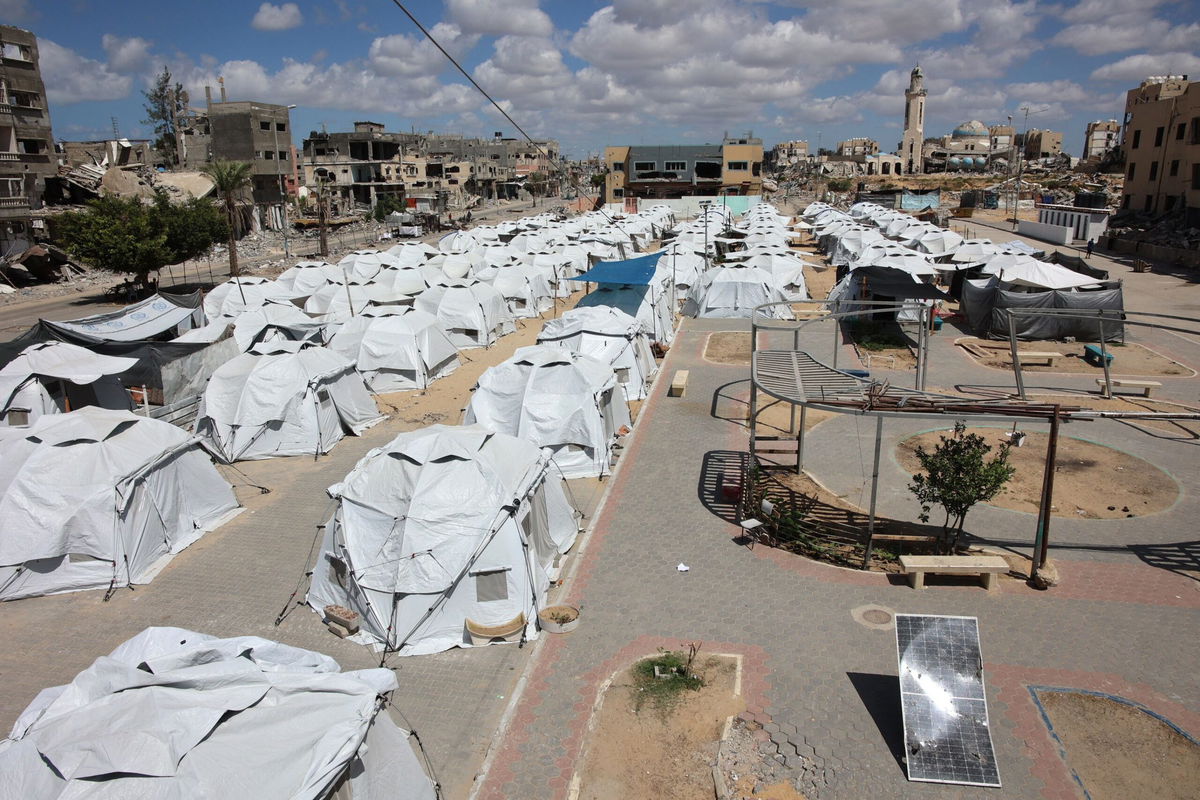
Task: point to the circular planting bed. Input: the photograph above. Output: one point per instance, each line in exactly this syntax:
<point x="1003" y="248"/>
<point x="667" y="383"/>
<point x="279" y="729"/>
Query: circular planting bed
<point x="1128" y="359"/>
<point x="1092" y="481"/>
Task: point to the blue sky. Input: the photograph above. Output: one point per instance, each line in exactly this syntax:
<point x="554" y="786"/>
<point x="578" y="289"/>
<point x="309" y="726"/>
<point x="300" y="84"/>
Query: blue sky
<point x="597" y="72"/>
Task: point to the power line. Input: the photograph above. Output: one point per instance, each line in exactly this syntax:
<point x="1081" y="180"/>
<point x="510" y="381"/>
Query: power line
<point x="555" y="161"/>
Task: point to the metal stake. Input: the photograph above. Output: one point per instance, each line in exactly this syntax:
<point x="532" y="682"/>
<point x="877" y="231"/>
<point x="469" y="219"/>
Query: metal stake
<point x="874" y="492"/>
<point x="1016" y="358"/>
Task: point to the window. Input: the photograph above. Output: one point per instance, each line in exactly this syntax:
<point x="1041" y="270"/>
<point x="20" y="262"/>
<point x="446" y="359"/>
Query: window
<point x="264" y="125"/>
<point x="675" y="166"/>
<point x="1149" y="205"/>
<point x="1196" y="176"/>
<point x="618" y="166"/>
<point x="1158" y="136"/>
<point x="283" y="155"/>
<point x="1129" y="172"/>
<point x="269" y="155"/>
<point x="11" y="187"/>
<point x="1174" y="171"/>
<point x="280" y="126"/>
<point x="618" y="192"/>
<point x="1169" y="202"/>
<point x="1195" y="130"/>
<point x="1125" y="201"/>
<point x="491" y="585"/>
<point x="1179" y="130"/>
<point x="737" y="166"/>
<point x="757" y="169"/>
<point x="1137" y="140"/>
<point x="18" y="52"/>
<point x="644" y="166"/>
<point x="1153" y="170"/>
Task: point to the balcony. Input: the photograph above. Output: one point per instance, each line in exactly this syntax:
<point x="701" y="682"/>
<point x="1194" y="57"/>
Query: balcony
<point x="14" y="202"/>
<point x="10" y="156"/>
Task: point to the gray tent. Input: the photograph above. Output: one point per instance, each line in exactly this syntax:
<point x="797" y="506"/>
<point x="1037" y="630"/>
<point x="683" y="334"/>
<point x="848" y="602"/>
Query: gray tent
<point x="176" y="714"/>
<point x="985" y="305"/>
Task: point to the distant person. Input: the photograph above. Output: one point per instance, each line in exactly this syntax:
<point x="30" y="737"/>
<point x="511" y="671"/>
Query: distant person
<point x="1090" y="247"/>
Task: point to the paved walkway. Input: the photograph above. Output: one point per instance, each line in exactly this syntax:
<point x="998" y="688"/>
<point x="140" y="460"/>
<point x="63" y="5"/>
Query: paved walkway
<point x="823" y="684"/>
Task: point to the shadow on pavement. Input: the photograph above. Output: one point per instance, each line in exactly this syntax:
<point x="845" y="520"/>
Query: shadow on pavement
<point x="880" y="695"/>
<point x="1182" y="558"/>
<point x="728" y="406"/>
<point x="718" y="465"/>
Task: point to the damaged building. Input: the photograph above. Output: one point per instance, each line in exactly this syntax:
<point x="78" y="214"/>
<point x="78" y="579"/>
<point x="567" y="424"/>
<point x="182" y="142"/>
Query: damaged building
<point x="733" y="167"/>
<point x="27" y="155"/>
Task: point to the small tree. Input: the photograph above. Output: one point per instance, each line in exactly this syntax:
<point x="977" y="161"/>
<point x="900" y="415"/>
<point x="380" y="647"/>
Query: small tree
<point x="191" y="227"/>
<point x="164" y="102"/>
<point x="230" y="178"/>
<point x="118" y="235"/>
<point x="956" y="476"/>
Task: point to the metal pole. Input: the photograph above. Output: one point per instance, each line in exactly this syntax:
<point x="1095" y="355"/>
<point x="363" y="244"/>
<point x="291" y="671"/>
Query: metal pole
<point x="920" y="354"/>
<point x="837" y="339"/>
<point x="1041" y="543"/>
<point x="1104" y="362"/>
<point x="1016" y="358"/>
<point x="800" y="440"/>
<point x="874" y="492"/>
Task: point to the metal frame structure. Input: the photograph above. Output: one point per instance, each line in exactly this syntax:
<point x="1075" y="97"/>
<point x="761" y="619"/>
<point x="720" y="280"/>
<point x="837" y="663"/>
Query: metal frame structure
<point x="796" y="377"/>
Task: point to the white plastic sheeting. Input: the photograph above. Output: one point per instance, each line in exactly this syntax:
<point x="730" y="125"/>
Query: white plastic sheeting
<point x="273" y="322"/>
<point x="237" y="295"/>
<point x="47" y="377"/>
<point x="172" y="713"/>
<point x="441" y="526"/>
<point x="474" y="314"/>
<point x="735" y="292"/>
<point x="396" y="349"/>
<point x="279" y="403"/>
<point x="558" y="399"/>
<point x="98" y="497"/>
<point x="1023" y="270"/>
<point x="609" y="335"/>
<point x="525" y="289"/>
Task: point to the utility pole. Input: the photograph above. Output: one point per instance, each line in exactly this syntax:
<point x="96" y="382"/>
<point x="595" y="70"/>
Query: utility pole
<point x="283" y="208"/>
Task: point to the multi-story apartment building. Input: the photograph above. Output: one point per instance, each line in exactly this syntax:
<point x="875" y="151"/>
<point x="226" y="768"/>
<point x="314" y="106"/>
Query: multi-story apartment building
<point x="1161" y="141"/>
<point x="358" y="167"/>
<point x="792" y="152"/>
<point x="27" y="156"/>
<point x="860" y="146"/>
<point x="258" y="133"/>
<point x="1042" y="144"/>
<point x="1100" y="137"/>
<point x="733" y="167"/>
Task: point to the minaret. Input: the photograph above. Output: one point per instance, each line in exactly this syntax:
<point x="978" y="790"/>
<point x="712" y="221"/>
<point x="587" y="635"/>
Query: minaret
<point x="914" y="123"/>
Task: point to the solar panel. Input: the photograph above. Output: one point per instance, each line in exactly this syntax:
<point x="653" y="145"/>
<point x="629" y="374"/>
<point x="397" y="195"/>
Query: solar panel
<point x="946" y="733"/>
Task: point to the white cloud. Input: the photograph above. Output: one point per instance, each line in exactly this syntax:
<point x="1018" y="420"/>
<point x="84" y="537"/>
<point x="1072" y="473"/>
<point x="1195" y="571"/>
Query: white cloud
<point x="1059" y="91"/>
<point x="282" y="17"/>
<point x="1136" y="68"/>
<point x="126" y="55"/>
<point x="402" y="55"/>
<point x="14" y="10"/>
<point x="72" y="78"/>
<point x="1128" y="32"/>
<point x="500" y="17"/>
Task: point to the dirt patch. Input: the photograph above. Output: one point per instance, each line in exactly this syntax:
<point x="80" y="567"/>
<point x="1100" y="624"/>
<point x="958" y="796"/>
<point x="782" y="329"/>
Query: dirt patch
<point x="1119" y="751"/>
<point x="1092" y="481"/>
<point x="728" y="347"/>
<point x="1128" y="359"/>
<point x="659" y="752"/>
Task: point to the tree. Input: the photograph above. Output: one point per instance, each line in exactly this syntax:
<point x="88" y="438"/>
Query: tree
<point x="191" y="227"/>
<point x="597" y="179"/>
<point x="164" y="103"/>
<point x="956" y="476"/>
<point x="386" y="204"/>
<point x="116" y="234"/>
<point x="230" y="178"/>
<point x="537" y="183"/>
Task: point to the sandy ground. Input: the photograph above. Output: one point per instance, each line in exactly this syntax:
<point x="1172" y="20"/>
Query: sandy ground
<point x="1128" y="359"/>
<point x="1121" y="752"/>
<point x="1092" y="481"/>
<point x="649" y="755"/>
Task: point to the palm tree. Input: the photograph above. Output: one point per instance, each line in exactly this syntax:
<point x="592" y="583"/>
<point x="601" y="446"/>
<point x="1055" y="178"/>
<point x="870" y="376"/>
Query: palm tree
<point x="230" y="177"/>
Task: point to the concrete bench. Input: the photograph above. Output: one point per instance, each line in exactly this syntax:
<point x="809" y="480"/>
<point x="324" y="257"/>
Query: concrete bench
<point x="1048" y="357"/>
<point x="678" y="383"/>
<point x="1145" y="386"/>
<point x="1093" y="354"/>
<point x="986" y="566"/>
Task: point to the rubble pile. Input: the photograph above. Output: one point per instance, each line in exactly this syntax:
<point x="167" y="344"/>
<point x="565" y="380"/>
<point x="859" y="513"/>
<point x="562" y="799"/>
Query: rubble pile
<point x="1168" y="230"/>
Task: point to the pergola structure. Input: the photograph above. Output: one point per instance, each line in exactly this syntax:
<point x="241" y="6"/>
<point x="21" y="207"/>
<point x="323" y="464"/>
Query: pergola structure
<point x="798" y="378"/>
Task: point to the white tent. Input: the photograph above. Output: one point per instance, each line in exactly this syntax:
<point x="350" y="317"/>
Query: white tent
<point x="308" y="276"/>
<point x="558" y="399"/>
<point x="609" y="335"/>
<point x="474" y="314"/>
<point x="98" y="498"/>
<point x="276" y="321"/>
<point x="396" y="349"/>
<point x="272" y="402"/>
<point x="525" y="289"/>
<point x="1023" y="270"/>
<point x="735" y="292"/>
<point x="237" y="295"/>
<point x="649" y="304"/>
<point x="53" y="377"/>
<point x="172" y="713"/>
<point x="441" y="531"/>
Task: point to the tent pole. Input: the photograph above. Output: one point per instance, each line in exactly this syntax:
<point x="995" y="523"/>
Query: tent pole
<point x="1041" y="543"/>
<point x="874" y="492"/>
<point x="1104" y="362"/>
<point x="800" y="439"/>
<point x="1016" y="356"/>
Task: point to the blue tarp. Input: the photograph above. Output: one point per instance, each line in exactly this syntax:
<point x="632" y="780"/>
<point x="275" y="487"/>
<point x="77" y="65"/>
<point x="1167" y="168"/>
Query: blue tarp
<point x="634" y="271"/>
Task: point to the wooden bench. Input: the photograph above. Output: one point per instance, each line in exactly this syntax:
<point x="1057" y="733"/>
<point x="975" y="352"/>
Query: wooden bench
<point x="1145" y="386"/>
<point x="986" y="566"/>
<point x="1048" y="357"/>
<point x="1093" y="354"/>
<point x="678" y="383"/>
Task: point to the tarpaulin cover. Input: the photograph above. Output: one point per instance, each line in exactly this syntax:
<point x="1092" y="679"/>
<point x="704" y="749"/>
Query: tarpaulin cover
<point x="917" y="201"/>
<point x="634" y="271"/>
<point x="158" y="314"/>
<point x="1077" y="264"/>
<point x="897" y="283"/>
<point x="611" y="335"/>
<point x="985" y="304"/>
<point x="176" y="714"/>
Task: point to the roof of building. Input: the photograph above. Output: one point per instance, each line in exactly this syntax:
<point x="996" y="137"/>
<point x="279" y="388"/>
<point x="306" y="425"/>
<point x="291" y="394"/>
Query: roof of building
<point x="971" y="128"/>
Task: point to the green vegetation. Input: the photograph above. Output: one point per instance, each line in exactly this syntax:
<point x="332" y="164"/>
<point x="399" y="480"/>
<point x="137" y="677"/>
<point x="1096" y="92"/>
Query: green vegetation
<point x="127" y="236"/>
<point x="230" y="178"/>
<point x="164" y="102"/>
<point x="386" y="204"/>
<point x="840" y="184"/>
<point x="663" y="694"/>
<point x="875" y="335"/>
<point x="956" y="476"/>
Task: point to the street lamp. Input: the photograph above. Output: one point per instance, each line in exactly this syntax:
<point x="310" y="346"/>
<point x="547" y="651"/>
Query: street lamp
<point x="279" y="175"/>
<point x="704" y="204"/>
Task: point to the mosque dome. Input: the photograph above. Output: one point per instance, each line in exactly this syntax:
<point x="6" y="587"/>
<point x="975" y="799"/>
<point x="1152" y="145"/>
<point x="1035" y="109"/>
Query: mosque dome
<point x="969" y="130"/>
